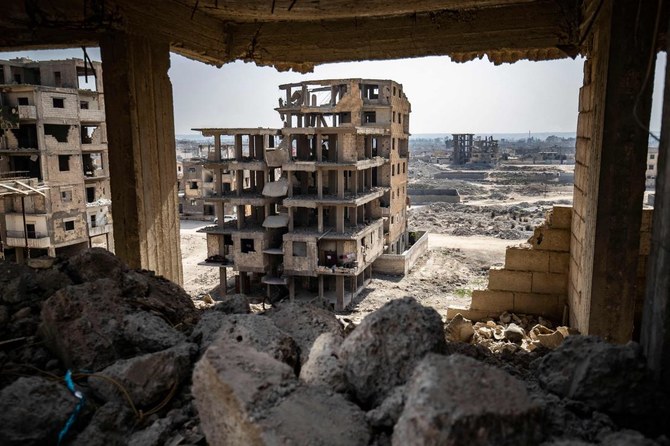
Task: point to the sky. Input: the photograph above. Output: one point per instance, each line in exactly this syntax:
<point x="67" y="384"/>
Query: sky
<point x="446" y="97"/>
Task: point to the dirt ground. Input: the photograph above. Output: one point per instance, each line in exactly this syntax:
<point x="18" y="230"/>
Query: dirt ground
<point x="465" y="240"/>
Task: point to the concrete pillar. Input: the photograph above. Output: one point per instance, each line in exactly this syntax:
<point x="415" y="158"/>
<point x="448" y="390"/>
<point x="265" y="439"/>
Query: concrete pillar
<point x="319" y="216"/>
<point x="340" y="183"/>
<point x="321" y="287"/>
<point x="291" y="288"/>
<point x="140" y="128"/>
<point x="339" y="293"/>
<point x="319" y="183"/>
<point x="610" y="171"/>
<point x="339" y="218"/>
<point x="223" y="282"/>
<point x="656" y="314"/>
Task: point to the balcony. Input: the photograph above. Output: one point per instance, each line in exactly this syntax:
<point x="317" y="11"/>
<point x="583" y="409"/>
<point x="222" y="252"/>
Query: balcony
<point x="88" y="147"/>
<point x="90" y="115"/>
<point x="35" y="239"/>
<point x="99" y="230"/>
<point x="28" y="112"/>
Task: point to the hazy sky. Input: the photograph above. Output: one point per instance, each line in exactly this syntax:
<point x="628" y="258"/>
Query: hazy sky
<point x="446" y="97"/>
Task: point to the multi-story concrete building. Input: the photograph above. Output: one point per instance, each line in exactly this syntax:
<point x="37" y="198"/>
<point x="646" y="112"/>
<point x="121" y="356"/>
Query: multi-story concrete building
<point x="652" y="167"/>
<point x="53" y="158"/>
<point x="321" y="199"/>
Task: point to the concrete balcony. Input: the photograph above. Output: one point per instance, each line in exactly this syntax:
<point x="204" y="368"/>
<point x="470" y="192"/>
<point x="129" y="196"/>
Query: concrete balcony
<point x="35" y="239"/>
<point x="99" y="230"/>
<point x="85" y="147"/>
<point x="28" y="112"/>
<point x="88" y="115"/>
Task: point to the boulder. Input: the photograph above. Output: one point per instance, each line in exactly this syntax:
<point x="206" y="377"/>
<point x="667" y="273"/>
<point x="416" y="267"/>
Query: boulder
<point x="233" y="304"/>
<point x="245" y="396"/>
<point x="93" y="264"/>
<point x="457" y="400"/>
<point x="110" y="426"/>
<point x="148" y="332"/>
<point x="304" y="323"/>
<point x="323" y="367"/>
<point x="386" y="415"/>
<point x="459" y="329"/>
<point x="382" y="351"/>
<point x="607" y="377"/>
<point x="148" y="379"/>
<point x="33" y="411"/>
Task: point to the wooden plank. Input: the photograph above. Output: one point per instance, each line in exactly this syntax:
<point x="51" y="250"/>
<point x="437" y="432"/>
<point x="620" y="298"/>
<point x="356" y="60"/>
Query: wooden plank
<point x="656" y="313"/>
<point x="142" y="162"/>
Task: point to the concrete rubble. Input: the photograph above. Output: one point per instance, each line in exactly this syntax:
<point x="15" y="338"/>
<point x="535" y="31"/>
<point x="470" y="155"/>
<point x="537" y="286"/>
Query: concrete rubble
<point x="153" y="370"/>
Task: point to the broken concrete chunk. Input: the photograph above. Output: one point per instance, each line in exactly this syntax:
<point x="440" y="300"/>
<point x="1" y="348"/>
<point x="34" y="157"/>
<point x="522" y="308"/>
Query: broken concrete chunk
<point x="387" y="413"/>
<point x="149" y="333"/>
<point x="459" y="329"/>
<point x="110" y="426"/>
<point x="546" y="337"/>
<point x="383" y="350"/>
<point x="323" y="367"/>
<point x="233" y="304"/>
<point x="514" y="333"/>
<point x="606" y="377"/>
<point x="449" y="402"/>
<point x="148" y="379"/>
<point x="33" y="411"/>
<point x="304" y="323"/>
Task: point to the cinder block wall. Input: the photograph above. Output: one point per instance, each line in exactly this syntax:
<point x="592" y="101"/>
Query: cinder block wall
<point x="535" y="277"/>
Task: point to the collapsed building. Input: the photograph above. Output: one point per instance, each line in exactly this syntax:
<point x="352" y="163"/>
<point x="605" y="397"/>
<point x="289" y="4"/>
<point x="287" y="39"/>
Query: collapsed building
<point x="318" y="201"/>
<point x="470" y="150"/>
<point x="54" y="178"/>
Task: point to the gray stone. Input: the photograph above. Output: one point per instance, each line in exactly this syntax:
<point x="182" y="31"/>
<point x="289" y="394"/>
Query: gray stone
<point x="304" y="323"/>
<point x="607" y="377"/>
<point x="110" y="426"/>
<point x="93" y="264"/>
<point x="148" y="379"/>
<point x="387" y="413"/>
<point x="33" y="411"/>
<point x="457" y="400"/>
<point x="245" y="396"/>
<point x="154" y="435"/>
<point x="627" y="438"/>
<point x="149" y="333"/>
<point x="459" y="329"/>
<point x="384" y="349"/>
<point x="514" y="333"/>
<point x="323" y="367"/>
<point x="233" y="304"/>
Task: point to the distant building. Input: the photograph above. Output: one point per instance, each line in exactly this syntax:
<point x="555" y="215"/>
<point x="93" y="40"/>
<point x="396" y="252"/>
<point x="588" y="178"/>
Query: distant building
<point x="468" y="150"/>
<point x="54" y="176"/>
<point x="652" y="167"/>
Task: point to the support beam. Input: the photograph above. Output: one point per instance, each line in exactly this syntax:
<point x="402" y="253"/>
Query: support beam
<point x="143" y="170"/>
<point x="656" y="314"/>
<point x="610" y="170"/>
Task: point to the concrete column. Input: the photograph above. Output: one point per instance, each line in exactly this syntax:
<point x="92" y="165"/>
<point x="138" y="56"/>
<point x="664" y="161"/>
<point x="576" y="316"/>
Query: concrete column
<point x="656" y="314"/>
<point x="339" y="218"/>
<point x="291" y="288"/>
<point x="610" y="170"/>
<point x="140" y="128"/>
<point x="290" y="219"/>
<point x="319" y="214"/>
<point x="319" y="183"/>
<point x="340" y="184"/>
<point x="339" y="293"/>
<point x="321" y="287"/>
<point x="223" y="282"/>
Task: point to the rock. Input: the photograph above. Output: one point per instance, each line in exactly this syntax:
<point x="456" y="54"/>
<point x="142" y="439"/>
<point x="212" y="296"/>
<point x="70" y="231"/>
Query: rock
<point x="323" y="367"/>
<point x="154" y="435"/>
<point x="244" y="396"/>
<point x="41" y="262"/>
<point x="386" y="415"/>
<point x="627" y="438"/>
<point x="607" y="377"/>
<point x="110" y="425"/>
<point x="456" y="400"/>
<point x="93" y="264"/>
<point x="546" y="337"/>
<point x="149" y="333"/>
<point x="505" y="318"/>
<point x="148" y="379"/>
<point x="304" y="323"/>
<point x="514" y="333"/>
<point x="383" y="350"/>
<point x="459" y="329"/>
<point x="233" y="304"/>
<point x="33" y="411"/>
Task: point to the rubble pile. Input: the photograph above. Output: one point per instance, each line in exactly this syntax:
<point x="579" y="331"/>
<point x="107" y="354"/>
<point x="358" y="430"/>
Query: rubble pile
<point x="97" y="354"/>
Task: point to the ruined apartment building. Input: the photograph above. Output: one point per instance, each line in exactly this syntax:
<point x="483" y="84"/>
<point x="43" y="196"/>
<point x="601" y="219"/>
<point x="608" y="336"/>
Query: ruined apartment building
<point x="54" y="180"/>
<point x="470" y="150"/>
<point x="318" y="201"/>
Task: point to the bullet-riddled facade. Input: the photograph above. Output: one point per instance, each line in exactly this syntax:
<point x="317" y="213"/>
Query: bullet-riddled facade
<point x="321" y="199"/>
<point x="53" y="136"/>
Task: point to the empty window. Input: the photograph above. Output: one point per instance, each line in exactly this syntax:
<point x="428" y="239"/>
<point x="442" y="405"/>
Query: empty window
<point x="299" y="249"/>
<point x="247" y="245"/>
<point x="90" y="194"/>
<point x="58" y="102"/>
<point x="651" y="157"/>
<point x="194" y="202"/>
<point x="393" y="170"/>
<point x="57" y="79"/>
<point x="60" y="132"/>
<point x="83" y="105"/>
<point x="17" y="78"/>
<point x="93" y="223"/>
<point x="651" y="167"/>
<point x="391" y="219"/>
<point x="369" y="117"/>
<point x="193" y="185"/>
<point x="24" y="101"/>
<point x="64" y="163"/>
<point x="66" y="195"/>
<point x="191" y="169"/>
<point x="69" y="225"/>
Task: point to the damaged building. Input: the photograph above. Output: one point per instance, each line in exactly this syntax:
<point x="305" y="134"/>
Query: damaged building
<point x="318" y="201"/>
<point x="470" y="150"/>
<point x="54" y="176"/>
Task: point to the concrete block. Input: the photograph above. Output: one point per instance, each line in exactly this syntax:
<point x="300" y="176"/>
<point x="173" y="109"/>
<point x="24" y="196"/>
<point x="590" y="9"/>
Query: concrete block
<point x="489" y="300"/>
<point x="520" y="258"/>
<point x="469" y="313"/>
<point x="560" y="217"/>
<point x="505" y="280"/>
<point x="559" y="262"/>
<point x="647" y="217"/>
<point x="547" y="239"/>
<point x="550" y="283"/>
<point x="545" y="305"/>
